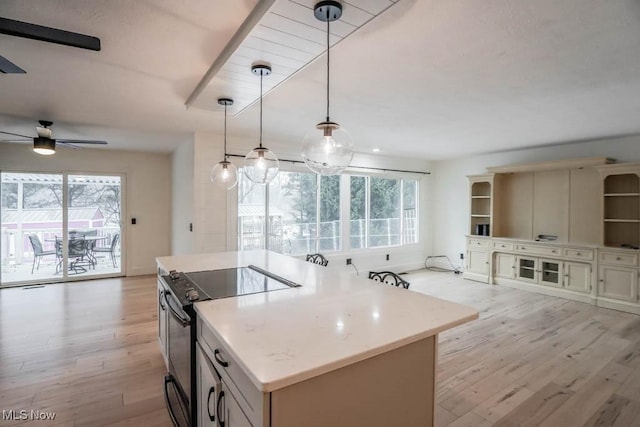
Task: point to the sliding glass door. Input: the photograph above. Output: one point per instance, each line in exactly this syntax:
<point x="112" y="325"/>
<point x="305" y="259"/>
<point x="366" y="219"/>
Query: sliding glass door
<point x="59" y="227"/>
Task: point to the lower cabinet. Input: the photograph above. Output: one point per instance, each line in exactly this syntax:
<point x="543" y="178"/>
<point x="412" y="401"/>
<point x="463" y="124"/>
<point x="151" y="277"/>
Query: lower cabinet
<point x="618" y="283"/>
<point x="230" y="414"/>
<point x="574" y="276"/>
<point x="504" y="266"/>
<point x="162" y="322"/>
<point x="209" y="389"/>
<point x="577" y="276"/>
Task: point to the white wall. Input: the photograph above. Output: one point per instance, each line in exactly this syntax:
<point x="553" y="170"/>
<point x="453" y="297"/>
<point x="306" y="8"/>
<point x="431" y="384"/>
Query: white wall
<point x="450" y="206"/>
<point x="210" y="202"/>
<point x="148" y="192"/>
<point x="182" y="167"/>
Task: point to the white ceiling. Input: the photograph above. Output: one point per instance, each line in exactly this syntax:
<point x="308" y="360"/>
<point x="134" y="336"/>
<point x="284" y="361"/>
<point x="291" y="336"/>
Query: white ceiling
<point x="428" y="78"/>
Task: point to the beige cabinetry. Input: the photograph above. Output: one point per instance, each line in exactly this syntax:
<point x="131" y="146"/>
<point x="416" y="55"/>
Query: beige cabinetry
<point x="481" y="217"/>
<point x="568" y="228"/>
<point x="477" y="265"/>
<point x="577" y="276"/>
<point x="621" y="205"/>
<point x="547" y="268"/>
<point x="618" y="276"/>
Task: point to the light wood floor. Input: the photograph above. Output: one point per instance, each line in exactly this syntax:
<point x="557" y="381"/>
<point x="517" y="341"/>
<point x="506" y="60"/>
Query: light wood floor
<point x="88" y="351"/>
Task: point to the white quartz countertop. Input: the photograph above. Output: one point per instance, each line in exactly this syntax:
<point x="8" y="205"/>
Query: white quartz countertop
<point x="333" y="320"/>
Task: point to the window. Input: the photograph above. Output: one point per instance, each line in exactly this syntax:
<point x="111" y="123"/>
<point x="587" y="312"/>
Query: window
<point x="303" y="212"/>
<point x="383" y="212"/>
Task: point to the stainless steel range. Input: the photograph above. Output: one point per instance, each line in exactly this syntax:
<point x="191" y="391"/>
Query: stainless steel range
<point x="181" y="291"/>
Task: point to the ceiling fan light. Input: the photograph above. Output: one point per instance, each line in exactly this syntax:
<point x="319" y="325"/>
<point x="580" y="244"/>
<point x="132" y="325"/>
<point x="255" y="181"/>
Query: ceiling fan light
<point x="225" y="175"/>
<point x="44" y="146"/>
<point x="327" y="149"/>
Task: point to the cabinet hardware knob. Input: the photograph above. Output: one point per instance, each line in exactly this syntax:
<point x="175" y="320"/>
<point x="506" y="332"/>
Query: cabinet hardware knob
<point x="554" y="251"/>
<point x="618" y="259"/>
<point x="601" y="280"/>
<point x="578" y="253"/>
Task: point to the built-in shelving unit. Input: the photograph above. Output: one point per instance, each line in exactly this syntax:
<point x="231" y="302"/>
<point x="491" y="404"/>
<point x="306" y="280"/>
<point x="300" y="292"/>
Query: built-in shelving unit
<point x="621" y="208"/>
<point x="481" y="205"/>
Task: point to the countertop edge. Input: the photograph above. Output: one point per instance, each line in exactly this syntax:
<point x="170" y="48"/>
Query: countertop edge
<point x="276" y="384"/>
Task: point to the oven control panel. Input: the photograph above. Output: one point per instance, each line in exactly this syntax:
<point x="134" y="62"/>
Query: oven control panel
<point x="182" y="287"/>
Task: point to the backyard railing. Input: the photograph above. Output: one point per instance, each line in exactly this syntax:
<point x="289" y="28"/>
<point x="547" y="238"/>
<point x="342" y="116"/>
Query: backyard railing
<point x="300" y="238"/>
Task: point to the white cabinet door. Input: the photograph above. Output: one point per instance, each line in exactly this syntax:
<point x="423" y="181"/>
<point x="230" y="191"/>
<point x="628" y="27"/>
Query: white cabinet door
<point x="527" y="269"/>
<point x="577" y="276"/>
<point x="618" y="282"/>
<point x="478" y="261"/>
<point x="505" y="266"/>
<point x="162" y="322"/>
<point x="232" y="415"/>
<point x="208" y="389"/>
<point x="550" y="272"/>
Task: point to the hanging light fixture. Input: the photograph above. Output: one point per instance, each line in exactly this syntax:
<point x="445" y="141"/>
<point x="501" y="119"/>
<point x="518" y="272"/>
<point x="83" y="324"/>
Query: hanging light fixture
<point x="225" y="174"/>
<point x="261" y="164"/>
<point x="327" y="148"/>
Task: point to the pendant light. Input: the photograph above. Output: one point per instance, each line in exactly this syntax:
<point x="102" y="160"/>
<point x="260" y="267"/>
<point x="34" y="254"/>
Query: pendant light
<point x="261" y="164"/>
<point x="327" y="148"/>
<point x="225" y="174"/>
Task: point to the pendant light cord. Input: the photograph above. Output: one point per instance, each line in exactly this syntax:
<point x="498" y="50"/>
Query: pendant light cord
<point x="261" y="75"/>
<point x="328" y="61"/>
<point x="225" y="131"/>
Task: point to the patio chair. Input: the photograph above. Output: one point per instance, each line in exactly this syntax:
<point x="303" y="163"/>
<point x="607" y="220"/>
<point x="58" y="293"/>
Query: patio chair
<point x="389" y="278"/>
<point x="111" y="250"/>
<point x="38" y="252"/>
<point x="317" y="259"/>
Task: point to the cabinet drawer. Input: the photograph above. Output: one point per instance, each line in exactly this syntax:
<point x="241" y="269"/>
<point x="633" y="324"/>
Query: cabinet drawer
<point x="579" y="254"/>
<point x="478" y="244"/>
<point x="502" y="246"/>
<point x="539" y="250"/>
<point x="248" y="396"/>
<point x="619" y="258"/>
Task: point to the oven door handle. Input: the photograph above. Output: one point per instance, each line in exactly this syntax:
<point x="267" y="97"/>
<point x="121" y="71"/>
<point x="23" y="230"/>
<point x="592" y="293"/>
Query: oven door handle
<point x="160" y="298"/>
<point x="183" y="321"/>
<point x="169" y="380"/>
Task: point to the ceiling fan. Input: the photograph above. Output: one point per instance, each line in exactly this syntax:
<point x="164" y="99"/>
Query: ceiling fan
<point x="47" y="34"/>
<point x="44" y="142"/>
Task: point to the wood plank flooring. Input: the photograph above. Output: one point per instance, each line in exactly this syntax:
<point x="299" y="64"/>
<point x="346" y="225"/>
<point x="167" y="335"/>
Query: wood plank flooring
<point x="534" y="360"/>
<point x="88" y="351"/>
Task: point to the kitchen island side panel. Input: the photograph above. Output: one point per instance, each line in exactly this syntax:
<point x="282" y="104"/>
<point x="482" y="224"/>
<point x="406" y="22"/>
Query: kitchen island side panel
<point x="395" y="388"/>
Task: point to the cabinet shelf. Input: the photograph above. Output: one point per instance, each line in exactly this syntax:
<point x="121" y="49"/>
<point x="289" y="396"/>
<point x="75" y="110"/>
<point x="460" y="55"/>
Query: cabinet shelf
<point x="480" y="216"/>
<point x="480" y="197"/>
<point x="622" y="220"/>
<point x="622" y="195"/>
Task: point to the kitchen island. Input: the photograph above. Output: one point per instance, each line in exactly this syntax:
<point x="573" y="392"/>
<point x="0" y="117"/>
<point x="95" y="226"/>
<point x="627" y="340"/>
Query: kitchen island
<point x="339" y="350"/>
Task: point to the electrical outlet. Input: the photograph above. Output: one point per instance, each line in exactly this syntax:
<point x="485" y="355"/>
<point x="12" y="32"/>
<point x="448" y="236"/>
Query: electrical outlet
<point x="387" y="257"/>
<point x="461" y="256"/>
<point x="348" y="261"/>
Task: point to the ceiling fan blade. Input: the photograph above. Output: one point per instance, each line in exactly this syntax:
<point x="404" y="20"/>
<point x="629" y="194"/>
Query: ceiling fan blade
<point x="17" y="140"/>
<point x="8" y="67"/>
<point x="16" y="134"/>
<point x="68" y="145"/>
<point x="80" y="141"/>
<point x="44" y="132"/>
<point x="48" y="34"/>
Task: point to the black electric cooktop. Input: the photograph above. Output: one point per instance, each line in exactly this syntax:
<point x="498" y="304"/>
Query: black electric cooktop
<point x="230" y="282"/>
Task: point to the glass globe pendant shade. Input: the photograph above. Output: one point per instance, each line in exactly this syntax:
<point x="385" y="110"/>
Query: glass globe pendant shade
<point x="224" y="175"/>
<point x="261" y="165"/>
<point x="327" y="149"/>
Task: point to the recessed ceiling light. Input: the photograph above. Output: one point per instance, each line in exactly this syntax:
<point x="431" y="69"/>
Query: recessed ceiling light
<point x="376" y="150"/>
